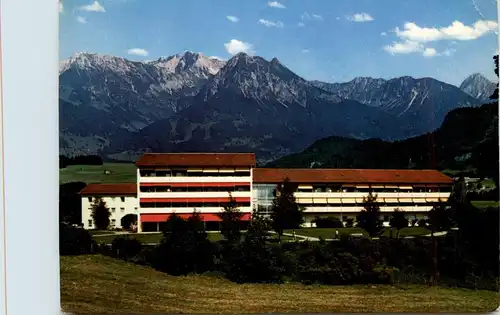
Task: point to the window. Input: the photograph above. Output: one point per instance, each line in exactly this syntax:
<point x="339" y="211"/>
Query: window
<point x="90" y="223"/>
<point x="90" y="199"/>
<point x="113" y="222"/>
<point x="122" y="199"/>
<point x="113" y="210"/>
<point x="122" y="209"/>
<point x="386" y="218"/>
<point x="90" y="210"/>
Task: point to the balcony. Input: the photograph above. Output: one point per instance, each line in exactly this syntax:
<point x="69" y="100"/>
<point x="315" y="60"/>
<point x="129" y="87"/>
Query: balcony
<point x="356" y="209"/>
<point x="190" y="210"/>
<point x="194" y="194"/>
<point x="207" y="179"/>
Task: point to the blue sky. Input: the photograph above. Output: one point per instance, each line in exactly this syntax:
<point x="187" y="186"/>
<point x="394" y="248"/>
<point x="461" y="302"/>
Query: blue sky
<point x="328" y="40"/>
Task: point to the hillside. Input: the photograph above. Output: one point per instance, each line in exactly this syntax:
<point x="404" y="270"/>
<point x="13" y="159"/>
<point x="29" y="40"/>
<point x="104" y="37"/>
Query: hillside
<point x="97" y="284"/>
<point x="450" y="146"/>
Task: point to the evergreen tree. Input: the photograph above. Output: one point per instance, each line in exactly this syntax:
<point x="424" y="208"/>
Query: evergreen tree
<point x="285" y="212"/>
<point x="398" y="221"/>
<point x="369" y="218"/>
<point x="231" y="221"/>
<point x="440" y="218"/>
<point x="100" y="214"/>
<point x="185" y="246"/>
<point x="494" y="96"/>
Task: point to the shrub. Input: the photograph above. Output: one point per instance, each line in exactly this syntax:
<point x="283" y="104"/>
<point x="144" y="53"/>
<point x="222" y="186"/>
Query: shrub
<point x="328" y="222"/>
<point x="75" y="241"/>
<point x="126" y="248"/>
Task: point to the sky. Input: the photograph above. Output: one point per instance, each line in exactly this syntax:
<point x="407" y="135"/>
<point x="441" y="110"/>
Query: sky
<point x="327" y="40"/>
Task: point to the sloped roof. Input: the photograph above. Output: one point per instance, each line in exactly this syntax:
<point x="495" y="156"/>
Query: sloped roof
<point x="109" y="189"/>
<point x="197" y="159"/>
<point x="358" y="176"/>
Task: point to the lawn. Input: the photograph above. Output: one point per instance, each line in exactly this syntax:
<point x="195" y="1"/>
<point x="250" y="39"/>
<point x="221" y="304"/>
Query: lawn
<point x="485" y="203"/>
<point x="119" y="173"/>
<point x="150" y="238"/>
<point x="328" y="233"/>
<point x="98" y="284"/>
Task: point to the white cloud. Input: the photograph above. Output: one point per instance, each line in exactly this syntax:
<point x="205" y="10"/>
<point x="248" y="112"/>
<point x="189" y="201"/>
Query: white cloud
<point x="81" y="19"/>
<point x="308" y="17"/>
<point x="138" y="52"/>
<point x="360" y="17"/>
<point x="317" y="17"/>
<point x="406" y="47"/>
<point x="61" y="7"/>
<point x="383" y="34"/>
<point x="235" y="46"/>
<point x="93" y="7"/>
<point x="300" y="24"/>
<point x="305" y="51"/>
<point x="233" y="18"/>
<point x="271" y="23"/>
<point x="276" y="4"/>
<point x="429" y="52"/>
<point x="456" y="31"/>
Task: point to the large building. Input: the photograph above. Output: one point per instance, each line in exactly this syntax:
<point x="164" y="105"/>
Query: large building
<point x="340" y="192"/>
<point x="182" y="183"/>
<point x="185" y="182"/>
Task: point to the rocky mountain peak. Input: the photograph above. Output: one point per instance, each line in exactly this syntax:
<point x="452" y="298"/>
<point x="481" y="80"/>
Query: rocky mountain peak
<point x="478" y="86"/>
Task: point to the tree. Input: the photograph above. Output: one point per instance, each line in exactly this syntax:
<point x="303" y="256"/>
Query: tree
<point x="398" y="221"/>
<point x="440" y="218"/>
<point x="369" y="218"/>
<point x="100" y="214"/>
<point x="349" y="222"/>
<point x="185" y="246"/>
<point x="231" y="221"/>
<point x="257" y="229"/>
<point x="285" y="212"/>
<point x="494" y="96"/>
<point x="128" y="221"/>
<point x="70" y="202"/>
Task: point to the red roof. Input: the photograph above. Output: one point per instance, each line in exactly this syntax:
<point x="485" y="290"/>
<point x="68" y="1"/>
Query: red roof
<point x="353" y="176"/>
<point x="110" y="189"/>
<point x="197" y="159"/>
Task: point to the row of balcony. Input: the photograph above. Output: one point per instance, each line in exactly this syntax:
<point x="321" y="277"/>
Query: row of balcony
<point x="204" y="179"/>
<point x="350" y="195"/>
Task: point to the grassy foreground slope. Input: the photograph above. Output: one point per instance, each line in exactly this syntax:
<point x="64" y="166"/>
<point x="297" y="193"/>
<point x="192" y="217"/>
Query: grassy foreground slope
<point x="98" y="284"/>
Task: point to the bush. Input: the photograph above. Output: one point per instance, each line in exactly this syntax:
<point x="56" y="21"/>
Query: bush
<point x="75" y="241"/>
<point x="125" y="248"/>
<point x="328" y="222"/>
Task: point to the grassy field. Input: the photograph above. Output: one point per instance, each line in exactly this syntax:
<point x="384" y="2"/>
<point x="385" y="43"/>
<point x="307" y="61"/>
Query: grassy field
<point x="485" y="203"/>
<point x="147" y="237"/>
<point x="119" y="173"/>
<point x="328" y="233"/>
<point x="150" y="238"/>
<point x="98" y="284"/>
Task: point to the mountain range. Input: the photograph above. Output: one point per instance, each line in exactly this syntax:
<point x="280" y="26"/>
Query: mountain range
<point x="467" y="140"/>
<point x="190" y="102"/>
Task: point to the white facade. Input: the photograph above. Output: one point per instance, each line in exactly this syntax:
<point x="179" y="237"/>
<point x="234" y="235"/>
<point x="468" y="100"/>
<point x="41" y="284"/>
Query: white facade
<point x="119" y="206"/>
